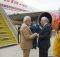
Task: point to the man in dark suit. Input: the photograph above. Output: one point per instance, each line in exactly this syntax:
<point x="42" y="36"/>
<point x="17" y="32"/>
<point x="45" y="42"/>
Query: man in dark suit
<point x="44" y="37"/>
<point x="34" y="28"/>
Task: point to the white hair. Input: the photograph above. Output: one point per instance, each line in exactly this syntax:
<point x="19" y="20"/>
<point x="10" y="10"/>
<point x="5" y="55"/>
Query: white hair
<point x="27" y="18"/>
<point x="44" y="19"/>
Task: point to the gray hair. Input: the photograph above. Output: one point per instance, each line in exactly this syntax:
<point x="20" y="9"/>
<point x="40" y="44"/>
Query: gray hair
<point x="26" y="18"/>
<point x="45" y="19"/>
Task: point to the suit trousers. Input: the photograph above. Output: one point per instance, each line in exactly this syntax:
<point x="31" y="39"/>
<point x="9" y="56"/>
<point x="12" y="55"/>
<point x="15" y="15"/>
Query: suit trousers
<point x="43" y="52"/>
<point x="26" y="52"/>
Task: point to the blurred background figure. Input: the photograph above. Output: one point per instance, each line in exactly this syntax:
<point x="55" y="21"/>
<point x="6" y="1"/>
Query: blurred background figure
<point x="26" y="36"/>
<point x="44" y="37"/>
<point x="19" y="38"/>
<point x="34" y="28"/>
<point x="57" y="43"/>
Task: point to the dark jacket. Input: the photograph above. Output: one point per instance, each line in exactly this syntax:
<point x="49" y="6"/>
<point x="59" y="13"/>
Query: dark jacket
<point x="44" y="36"/>
<point x="34" y="29"/>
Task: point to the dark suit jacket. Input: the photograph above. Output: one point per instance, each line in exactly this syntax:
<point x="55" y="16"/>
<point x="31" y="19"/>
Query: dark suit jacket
<point x="34" y="29"/>
<point x="44" y="36"/>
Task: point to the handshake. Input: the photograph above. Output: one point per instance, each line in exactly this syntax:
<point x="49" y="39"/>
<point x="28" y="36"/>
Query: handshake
<point x="36" y="35"/>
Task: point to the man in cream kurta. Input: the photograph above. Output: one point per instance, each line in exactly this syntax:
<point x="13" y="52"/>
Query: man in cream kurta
<point x="26" y="36"/>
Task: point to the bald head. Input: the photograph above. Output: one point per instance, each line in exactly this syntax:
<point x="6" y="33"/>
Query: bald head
<point x="44" y="20"/>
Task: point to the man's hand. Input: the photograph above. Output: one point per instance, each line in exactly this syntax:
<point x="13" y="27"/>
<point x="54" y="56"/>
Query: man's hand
<point x="35" y="34"/>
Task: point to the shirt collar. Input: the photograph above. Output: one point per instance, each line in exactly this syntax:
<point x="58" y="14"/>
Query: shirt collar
<point x="45" y="24"/>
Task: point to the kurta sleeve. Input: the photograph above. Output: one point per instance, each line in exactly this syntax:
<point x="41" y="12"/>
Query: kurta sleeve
<point x="27" y="33"/>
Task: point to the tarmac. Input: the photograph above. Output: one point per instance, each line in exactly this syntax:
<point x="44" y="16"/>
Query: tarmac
<point x="16" y="51"/>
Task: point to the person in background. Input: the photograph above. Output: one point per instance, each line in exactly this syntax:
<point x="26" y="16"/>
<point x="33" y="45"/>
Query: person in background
<point x="44" y="37"/>
<point x="34" y="28"/>
<point x="57" y="43"/>
<point x="18" y="33"/>
<point x="26" y="36"/>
